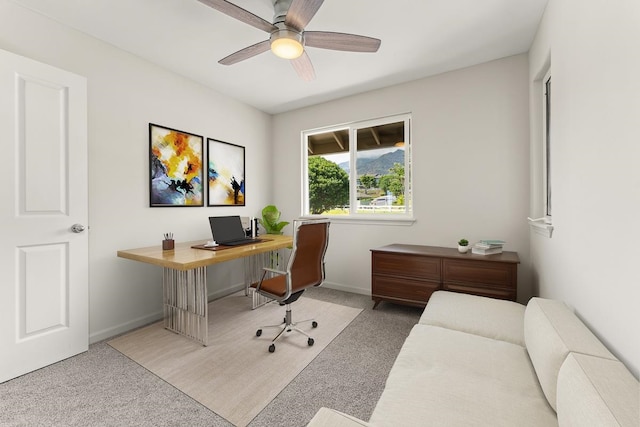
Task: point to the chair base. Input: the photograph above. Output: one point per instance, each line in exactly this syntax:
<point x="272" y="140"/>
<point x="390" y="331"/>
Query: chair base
<point x="288" y="325"/>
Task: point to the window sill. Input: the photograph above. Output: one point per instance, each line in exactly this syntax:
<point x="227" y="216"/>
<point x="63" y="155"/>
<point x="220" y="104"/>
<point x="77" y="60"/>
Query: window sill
<point x="541" y="228"/>
<point x="368" y="220"/>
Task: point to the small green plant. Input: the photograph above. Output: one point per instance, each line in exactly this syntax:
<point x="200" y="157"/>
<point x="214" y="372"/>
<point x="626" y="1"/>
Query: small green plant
<point x="271" y="220"/>
<point x="463" y="242"/>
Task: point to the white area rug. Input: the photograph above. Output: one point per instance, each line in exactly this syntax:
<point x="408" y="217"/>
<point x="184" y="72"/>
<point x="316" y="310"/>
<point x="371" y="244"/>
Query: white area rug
<point x="236" y="376"/>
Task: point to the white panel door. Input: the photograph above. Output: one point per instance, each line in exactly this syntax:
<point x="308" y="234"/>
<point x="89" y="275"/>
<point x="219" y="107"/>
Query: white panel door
<point x="43" y="261"/>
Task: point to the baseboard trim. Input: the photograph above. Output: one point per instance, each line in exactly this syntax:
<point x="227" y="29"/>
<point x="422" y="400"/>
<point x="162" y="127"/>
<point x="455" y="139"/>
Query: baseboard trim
<point x="125" y="327"/>
<point x="216" y="294"/>
<point x="220" y="293"/>
<point x="153" y="317"/>
<point x="346" y="288"/>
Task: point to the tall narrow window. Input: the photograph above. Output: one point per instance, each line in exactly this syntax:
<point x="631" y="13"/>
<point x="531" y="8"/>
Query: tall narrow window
<point x="359" y="170"/>
<point x="547" y="144"/>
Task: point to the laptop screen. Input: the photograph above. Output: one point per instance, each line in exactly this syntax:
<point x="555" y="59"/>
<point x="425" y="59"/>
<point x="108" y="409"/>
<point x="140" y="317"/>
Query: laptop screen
<point x="226" y="228"/>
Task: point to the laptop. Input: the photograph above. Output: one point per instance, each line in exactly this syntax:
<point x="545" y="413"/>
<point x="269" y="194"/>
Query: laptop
<point x="228" y="231"/>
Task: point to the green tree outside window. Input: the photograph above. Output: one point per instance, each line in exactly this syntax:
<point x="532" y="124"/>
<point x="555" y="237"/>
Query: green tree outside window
<point x="394" y="181"/>
<point x="328" y="185"/>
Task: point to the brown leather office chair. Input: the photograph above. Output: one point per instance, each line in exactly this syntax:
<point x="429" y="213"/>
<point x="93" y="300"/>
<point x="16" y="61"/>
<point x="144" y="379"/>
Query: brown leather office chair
<point x="304" y="269"/>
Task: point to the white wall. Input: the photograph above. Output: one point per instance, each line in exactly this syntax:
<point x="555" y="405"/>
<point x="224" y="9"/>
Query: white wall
<point x="590" y="260"/>
<point x="125" y="94"/>
<point x="470" y="136"/>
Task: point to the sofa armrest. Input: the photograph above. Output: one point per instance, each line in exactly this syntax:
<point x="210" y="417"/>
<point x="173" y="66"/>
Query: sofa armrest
<point x="326" y="417"/>
<point x="552" y="331"/>
<point x="595" y="391"/>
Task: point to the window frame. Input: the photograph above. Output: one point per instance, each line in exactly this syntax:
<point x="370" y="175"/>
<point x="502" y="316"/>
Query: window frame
<point x="353" y="215"/>
<point x="542" y="134"/>
<point x="546" y="147"/>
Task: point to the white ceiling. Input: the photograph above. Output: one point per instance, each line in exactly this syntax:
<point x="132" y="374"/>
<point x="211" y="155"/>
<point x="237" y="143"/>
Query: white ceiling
<point x="419" y="38"/>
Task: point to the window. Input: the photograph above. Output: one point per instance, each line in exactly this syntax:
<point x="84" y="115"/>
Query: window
<point x="546" y="137"/>
<point x="359" y="170"/>
<point x="541" y="172"/>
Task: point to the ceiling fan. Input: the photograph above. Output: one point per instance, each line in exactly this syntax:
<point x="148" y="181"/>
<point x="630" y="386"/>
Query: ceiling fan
<point x="287" y="35"/>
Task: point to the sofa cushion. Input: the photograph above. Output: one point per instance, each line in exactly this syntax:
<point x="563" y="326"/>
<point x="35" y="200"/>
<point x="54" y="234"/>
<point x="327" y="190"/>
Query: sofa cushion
<point x="444" y="377"/>
<point x="551" y="331"/>
<point x="487" y="317"/>
<point x="597" y="392"/>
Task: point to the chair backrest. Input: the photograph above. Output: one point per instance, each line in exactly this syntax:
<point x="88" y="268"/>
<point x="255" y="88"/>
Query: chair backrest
<point x="306" y="264"/>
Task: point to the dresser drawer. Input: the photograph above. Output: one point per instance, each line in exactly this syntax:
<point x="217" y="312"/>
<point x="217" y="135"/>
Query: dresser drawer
<point x="482" y="290"/>
<point x="488" y="273"/>
<point x="405" y="265"/>
<point x="408" y="291"/>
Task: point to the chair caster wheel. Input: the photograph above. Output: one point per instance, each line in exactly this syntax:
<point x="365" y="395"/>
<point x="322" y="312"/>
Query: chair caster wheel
<point x="272" y="348"/>
<point x="259" y="332"/>
<point x="310" y="341"/>
<point x="314" y="324"/>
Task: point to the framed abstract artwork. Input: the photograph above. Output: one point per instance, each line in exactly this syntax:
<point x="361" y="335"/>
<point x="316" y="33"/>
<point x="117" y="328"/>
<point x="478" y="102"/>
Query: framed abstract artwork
<point x="225" y="165"/>
<point x="175" y="165"/>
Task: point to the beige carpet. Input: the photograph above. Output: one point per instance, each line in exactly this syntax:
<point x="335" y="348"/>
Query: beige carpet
<point x="236" y="376"/>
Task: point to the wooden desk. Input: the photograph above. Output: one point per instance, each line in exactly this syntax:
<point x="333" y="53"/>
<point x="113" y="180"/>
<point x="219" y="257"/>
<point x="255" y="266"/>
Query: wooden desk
<point x="184" y="279"/>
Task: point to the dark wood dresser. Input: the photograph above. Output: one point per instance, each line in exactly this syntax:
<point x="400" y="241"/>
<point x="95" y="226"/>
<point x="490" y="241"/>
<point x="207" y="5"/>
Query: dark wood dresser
<point x="409" y="274"/>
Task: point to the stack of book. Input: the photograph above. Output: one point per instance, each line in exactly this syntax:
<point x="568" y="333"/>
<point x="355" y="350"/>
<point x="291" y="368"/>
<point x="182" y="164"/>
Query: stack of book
<point x="488" y="247"/>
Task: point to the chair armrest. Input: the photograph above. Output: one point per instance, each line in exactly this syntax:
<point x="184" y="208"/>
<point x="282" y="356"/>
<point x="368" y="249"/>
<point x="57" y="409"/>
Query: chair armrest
<point x="326" y="417"/>
<point x="273" y="270"/>
<point x="265" y="271"/>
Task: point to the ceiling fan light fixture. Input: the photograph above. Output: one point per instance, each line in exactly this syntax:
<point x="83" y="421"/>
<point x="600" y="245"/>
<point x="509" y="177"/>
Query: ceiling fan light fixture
<point x="286" y="44"/>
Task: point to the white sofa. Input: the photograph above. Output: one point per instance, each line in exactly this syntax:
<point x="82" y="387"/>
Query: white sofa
<point x="476" y="361"/>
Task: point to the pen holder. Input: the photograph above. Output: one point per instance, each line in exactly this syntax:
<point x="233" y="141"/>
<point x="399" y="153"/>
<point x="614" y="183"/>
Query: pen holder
<point x="168" y="244"/>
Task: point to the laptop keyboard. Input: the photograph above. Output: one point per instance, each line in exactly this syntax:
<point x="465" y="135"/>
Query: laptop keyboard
<point x="239" y="242"/>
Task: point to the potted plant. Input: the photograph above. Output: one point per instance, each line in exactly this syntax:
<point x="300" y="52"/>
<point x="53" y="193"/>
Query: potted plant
<point x="271" y="220"/>
<point x="463" y="246"/>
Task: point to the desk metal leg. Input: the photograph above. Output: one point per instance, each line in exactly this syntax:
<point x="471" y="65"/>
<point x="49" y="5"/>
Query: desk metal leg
<point x="185" y="302"/>
<point x="253" y="269"/>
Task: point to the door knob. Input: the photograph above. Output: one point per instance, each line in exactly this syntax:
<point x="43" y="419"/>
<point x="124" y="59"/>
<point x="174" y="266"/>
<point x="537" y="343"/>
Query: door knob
<point x="77" y="228"/>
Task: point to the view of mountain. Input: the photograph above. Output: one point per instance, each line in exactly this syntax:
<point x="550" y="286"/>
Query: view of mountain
<point x="376" y="165"/>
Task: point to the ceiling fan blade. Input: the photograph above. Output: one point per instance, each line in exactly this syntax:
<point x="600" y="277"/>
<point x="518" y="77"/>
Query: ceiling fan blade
<point x="246" y="53"/>
<point x="240" y="14"/>
<point x="301" y="12"/>
<point x="304" y="67"/>
<point x="341" y="41"/>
